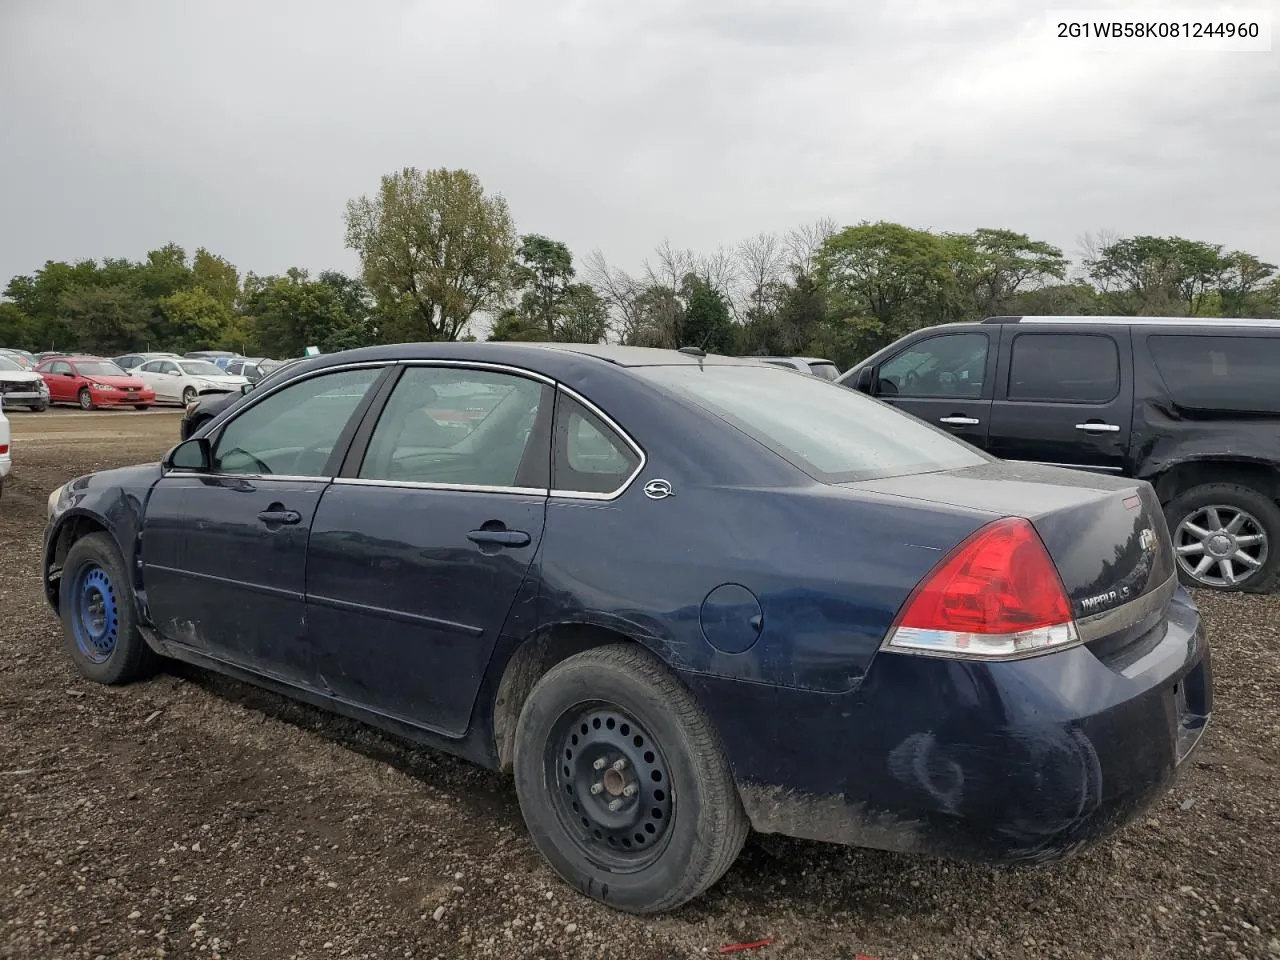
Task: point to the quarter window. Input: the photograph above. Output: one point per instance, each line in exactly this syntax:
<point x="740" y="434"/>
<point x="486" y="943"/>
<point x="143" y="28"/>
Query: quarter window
<point x="1064" y="368"/>
<point x="953" y="365"/>
<point x="293" y="432"/>
<point x="589" y="457"/>
<point x="461" y="427"/>
<point x="1235" y="374"/>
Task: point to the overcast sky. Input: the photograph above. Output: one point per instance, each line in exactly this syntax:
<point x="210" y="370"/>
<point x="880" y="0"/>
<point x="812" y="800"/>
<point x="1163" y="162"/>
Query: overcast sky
<point x="245" y="126"/>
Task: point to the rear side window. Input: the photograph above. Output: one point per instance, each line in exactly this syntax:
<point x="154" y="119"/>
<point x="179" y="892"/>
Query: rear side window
<point x="832" y="433"/>
<point x="588" y="456"/>
<point x="1064" y="368"/>
<point x="1220" y="373"/>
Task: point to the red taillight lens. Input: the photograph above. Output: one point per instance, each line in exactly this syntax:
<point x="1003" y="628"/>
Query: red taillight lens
<point x="4" y="448"/>
<point x="996" y="595"/>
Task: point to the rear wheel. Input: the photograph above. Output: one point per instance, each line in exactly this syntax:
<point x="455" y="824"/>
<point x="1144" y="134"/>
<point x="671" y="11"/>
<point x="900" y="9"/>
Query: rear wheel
<point x="99" y="621"/>
<point x="85" y="398"/>
<point x="1226" y="537"/>
<point x="623" y="783"/>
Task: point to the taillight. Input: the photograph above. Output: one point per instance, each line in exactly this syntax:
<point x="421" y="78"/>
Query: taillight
<point x="997" y="595"/>
<point x="4" y="448"/>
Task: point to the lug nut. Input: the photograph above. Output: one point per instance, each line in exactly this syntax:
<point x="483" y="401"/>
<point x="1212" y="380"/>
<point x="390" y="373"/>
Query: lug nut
<point x="620" y="764"/>
<point x="596" y="788"/>
<point x="629" y="790"/>
<point x="599" y="764"/>
<point x="614" y="805"/>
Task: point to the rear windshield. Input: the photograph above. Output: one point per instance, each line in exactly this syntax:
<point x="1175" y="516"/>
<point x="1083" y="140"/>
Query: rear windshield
<point x="1220" y="373"/>
<point x="832" y="433"/>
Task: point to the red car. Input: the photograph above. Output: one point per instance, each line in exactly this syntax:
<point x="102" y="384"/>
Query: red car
<point x="92" y="382"/>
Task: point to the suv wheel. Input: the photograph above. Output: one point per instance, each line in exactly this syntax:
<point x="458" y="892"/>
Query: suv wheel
<point x="1225" y="537"/>
<point x="623" y="783"/>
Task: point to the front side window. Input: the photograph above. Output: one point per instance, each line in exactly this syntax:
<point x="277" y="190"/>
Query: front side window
<point x="153" y="366"/>
<point x="293" y="432"/>
<point x="833" y="434"/>
<point x="1064" y="368"/>
<point x="61" y="366"/>
<point x="588" y="456"/>
<point x="952" y="365"/>
<point x="461" y="427"/>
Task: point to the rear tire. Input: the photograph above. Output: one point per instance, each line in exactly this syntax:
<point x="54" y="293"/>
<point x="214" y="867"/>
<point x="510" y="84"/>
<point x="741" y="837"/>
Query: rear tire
<point x="679" y="828"/>
<point x="1245" y="542"/>
<point x="99" y="619"/>
<point x="85" y="398"/>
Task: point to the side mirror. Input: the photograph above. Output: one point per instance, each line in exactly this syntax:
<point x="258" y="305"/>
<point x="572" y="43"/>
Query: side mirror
<point x="246" y="388"/>
<point x="195" y="455"/>
<point x="864" y="380"/>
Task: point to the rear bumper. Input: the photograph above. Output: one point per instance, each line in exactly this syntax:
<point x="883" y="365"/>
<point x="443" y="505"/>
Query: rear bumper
<point x="1024" y="761"/>
<point x="6" y="465"/>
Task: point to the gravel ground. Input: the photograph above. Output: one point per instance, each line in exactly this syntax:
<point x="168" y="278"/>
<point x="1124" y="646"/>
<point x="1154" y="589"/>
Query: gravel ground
<point x="195" y="816"/>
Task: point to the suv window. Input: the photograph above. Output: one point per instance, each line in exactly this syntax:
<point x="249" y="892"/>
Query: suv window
<point x="460" y="427"/>
<point x="950" y="365"/>
<point x="293" y="432"/>
<point x="1064" y="368"/>
<point x="588" y="457"/>
<point x="1220" y="373"/>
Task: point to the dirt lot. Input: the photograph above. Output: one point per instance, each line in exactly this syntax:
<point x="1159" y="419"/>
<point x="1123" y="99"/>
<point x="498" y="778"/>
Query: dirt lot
<point x="195" y="816"/>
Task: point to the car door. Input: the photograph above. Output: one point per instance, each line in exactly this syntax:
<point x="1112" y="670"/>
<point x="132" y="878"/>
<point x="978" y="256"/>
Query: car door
<point x="944" y="379"/>
<point x="224" y="551"/>
<point x="63" y="382"/>
<point x="149" y="373"/>
<point x="1064" y="397"/>
<point x="419" y="549"/>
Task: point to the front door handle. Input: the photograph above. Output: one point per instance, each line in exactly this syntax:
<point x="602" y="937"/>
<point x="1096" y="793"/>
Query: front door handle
<point x="500" y="538"/>
<point x="1094" y="426"/>
<point x="278" y="515"/>
<point x="957" y="421"/>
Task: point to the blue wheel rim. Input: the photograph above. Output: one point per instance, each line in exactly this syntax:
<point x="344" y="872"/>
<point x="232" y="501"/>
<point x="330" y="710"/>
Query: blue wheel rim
<point x="95" y="616"/>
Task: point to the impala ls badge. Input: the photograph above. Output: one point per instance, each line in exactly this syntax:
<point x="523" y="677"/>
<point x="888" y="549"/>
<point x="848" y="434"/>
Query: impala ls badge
<point x="658" y="490"/>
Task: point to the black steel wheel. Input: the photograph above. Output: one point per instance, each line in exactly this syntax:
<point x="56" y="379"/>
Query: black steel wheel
<point x="623" y="782"/>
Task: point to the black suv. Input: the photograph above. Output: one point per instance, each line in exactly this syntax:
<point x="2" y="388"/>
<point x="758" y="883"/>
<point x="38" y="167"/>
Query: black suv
<point x="1193" y="406"/>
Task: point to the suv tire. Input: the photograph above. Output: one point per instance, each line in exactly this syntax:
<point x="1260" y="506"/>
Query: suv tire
<point x="1245" y="542"/>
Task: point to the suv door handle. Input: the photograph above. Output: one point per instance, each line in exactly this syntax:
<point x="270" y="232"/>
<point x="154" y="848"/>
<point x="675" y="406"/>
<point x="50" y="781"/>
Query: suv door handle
<point x="500" y="538"/>
<point x="956" y="421"/>
<point x="280" y="516"/>
<point x="1095" y="426"/>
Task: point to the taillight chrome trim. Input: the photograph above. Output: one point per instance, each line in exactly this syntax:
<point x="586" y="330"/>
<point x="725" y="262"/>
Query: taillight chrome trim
<point x="943" y="643"/>
<point x="1130" y="614"/>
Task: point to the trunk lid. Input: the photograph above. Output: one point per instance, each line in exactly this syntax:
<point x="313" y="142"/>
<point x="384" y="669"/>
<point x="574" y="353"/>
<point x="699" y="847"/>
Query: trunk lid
<point x="1106" y="535"/>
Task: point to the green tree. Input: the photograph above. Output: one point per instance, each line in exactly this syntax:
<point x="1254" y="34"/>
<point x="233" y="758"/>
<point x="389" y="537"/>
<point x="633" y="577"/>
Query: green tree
<point x="195" y="318"/>
<point x="16" y="328"/>
<point x="290" y="313"/>
<point x="997" y="265"/>
<point x="217" y="276"/>
<point x="434" y="248"/>
<point x="106" y="319"/>
<point x="1157" y="276"/>
<point x="706" y="321"/>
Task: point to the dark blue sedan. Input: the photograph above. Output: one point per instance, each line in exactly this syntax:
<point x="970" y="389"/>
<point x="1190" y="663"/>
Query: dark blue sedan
<point x="678" y="596"/>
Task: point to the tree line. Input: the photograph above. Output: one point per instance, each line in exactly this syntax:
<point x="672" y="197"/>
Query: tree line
<point x="437" y="251"/>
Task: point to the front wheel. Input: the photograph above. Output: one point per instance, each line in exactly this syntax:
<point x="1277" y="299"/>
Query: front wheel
<point x="85" y="398"/>
<point x="99" y="620"/>
<point x="142" y="406"/>
<point x="1225" y="537"/>
<point x="38" y="407"/>
<point x="623" y="783"/>
<point x="188" y="396"/>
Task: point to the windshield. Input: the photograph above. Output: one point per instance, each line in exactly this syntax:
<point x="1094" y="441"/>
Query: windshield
<point x="830" y="432"/>
<point x="200" y="368"/>
<point x="99" y="368"/>
<point x="8" y="364"/>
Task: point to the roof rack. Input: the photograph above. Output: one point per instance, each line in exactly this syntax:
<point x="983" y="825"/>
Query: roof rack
<point x="1145" y="321"/>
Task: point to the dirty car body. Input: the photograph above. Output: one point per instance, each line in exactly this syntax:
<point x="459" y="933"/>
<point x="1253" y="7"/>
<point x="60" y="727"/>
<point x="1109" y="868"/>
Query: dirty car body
<point x="788" y="577"/>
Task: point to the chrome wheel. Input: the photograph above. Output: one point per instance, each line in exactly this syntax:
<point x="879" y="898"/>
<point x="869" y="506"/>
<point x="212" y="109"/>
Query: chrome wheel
<point x="1220" y="545"/>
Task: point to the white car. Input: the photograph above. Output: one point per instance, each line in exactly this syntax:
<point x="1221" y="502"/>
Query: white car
<point x="6" y="459"/>
<point x="182" y="381"/>
<point x="21" y="387"/>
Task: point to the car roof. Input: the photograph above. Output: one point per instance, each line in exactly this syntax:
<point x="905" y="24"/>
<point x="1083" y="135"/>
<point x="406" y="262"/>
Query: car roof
<point x="1141" y="321"/>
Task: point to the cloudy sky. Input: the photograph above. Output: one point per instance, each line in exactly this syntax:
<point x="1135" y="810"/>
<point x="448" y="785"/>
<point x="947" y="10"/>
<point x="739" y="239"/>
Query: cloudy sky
<point x="245" y="125"/>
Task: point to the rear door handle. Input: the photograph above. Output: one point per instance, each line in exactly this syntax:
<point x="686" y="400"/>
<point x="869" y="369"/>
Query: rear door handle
<point x="500" y="538"/>
<point x="280" y="516"/>
<point x="961" y="421"/>
<point x="1093" y="427"/>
